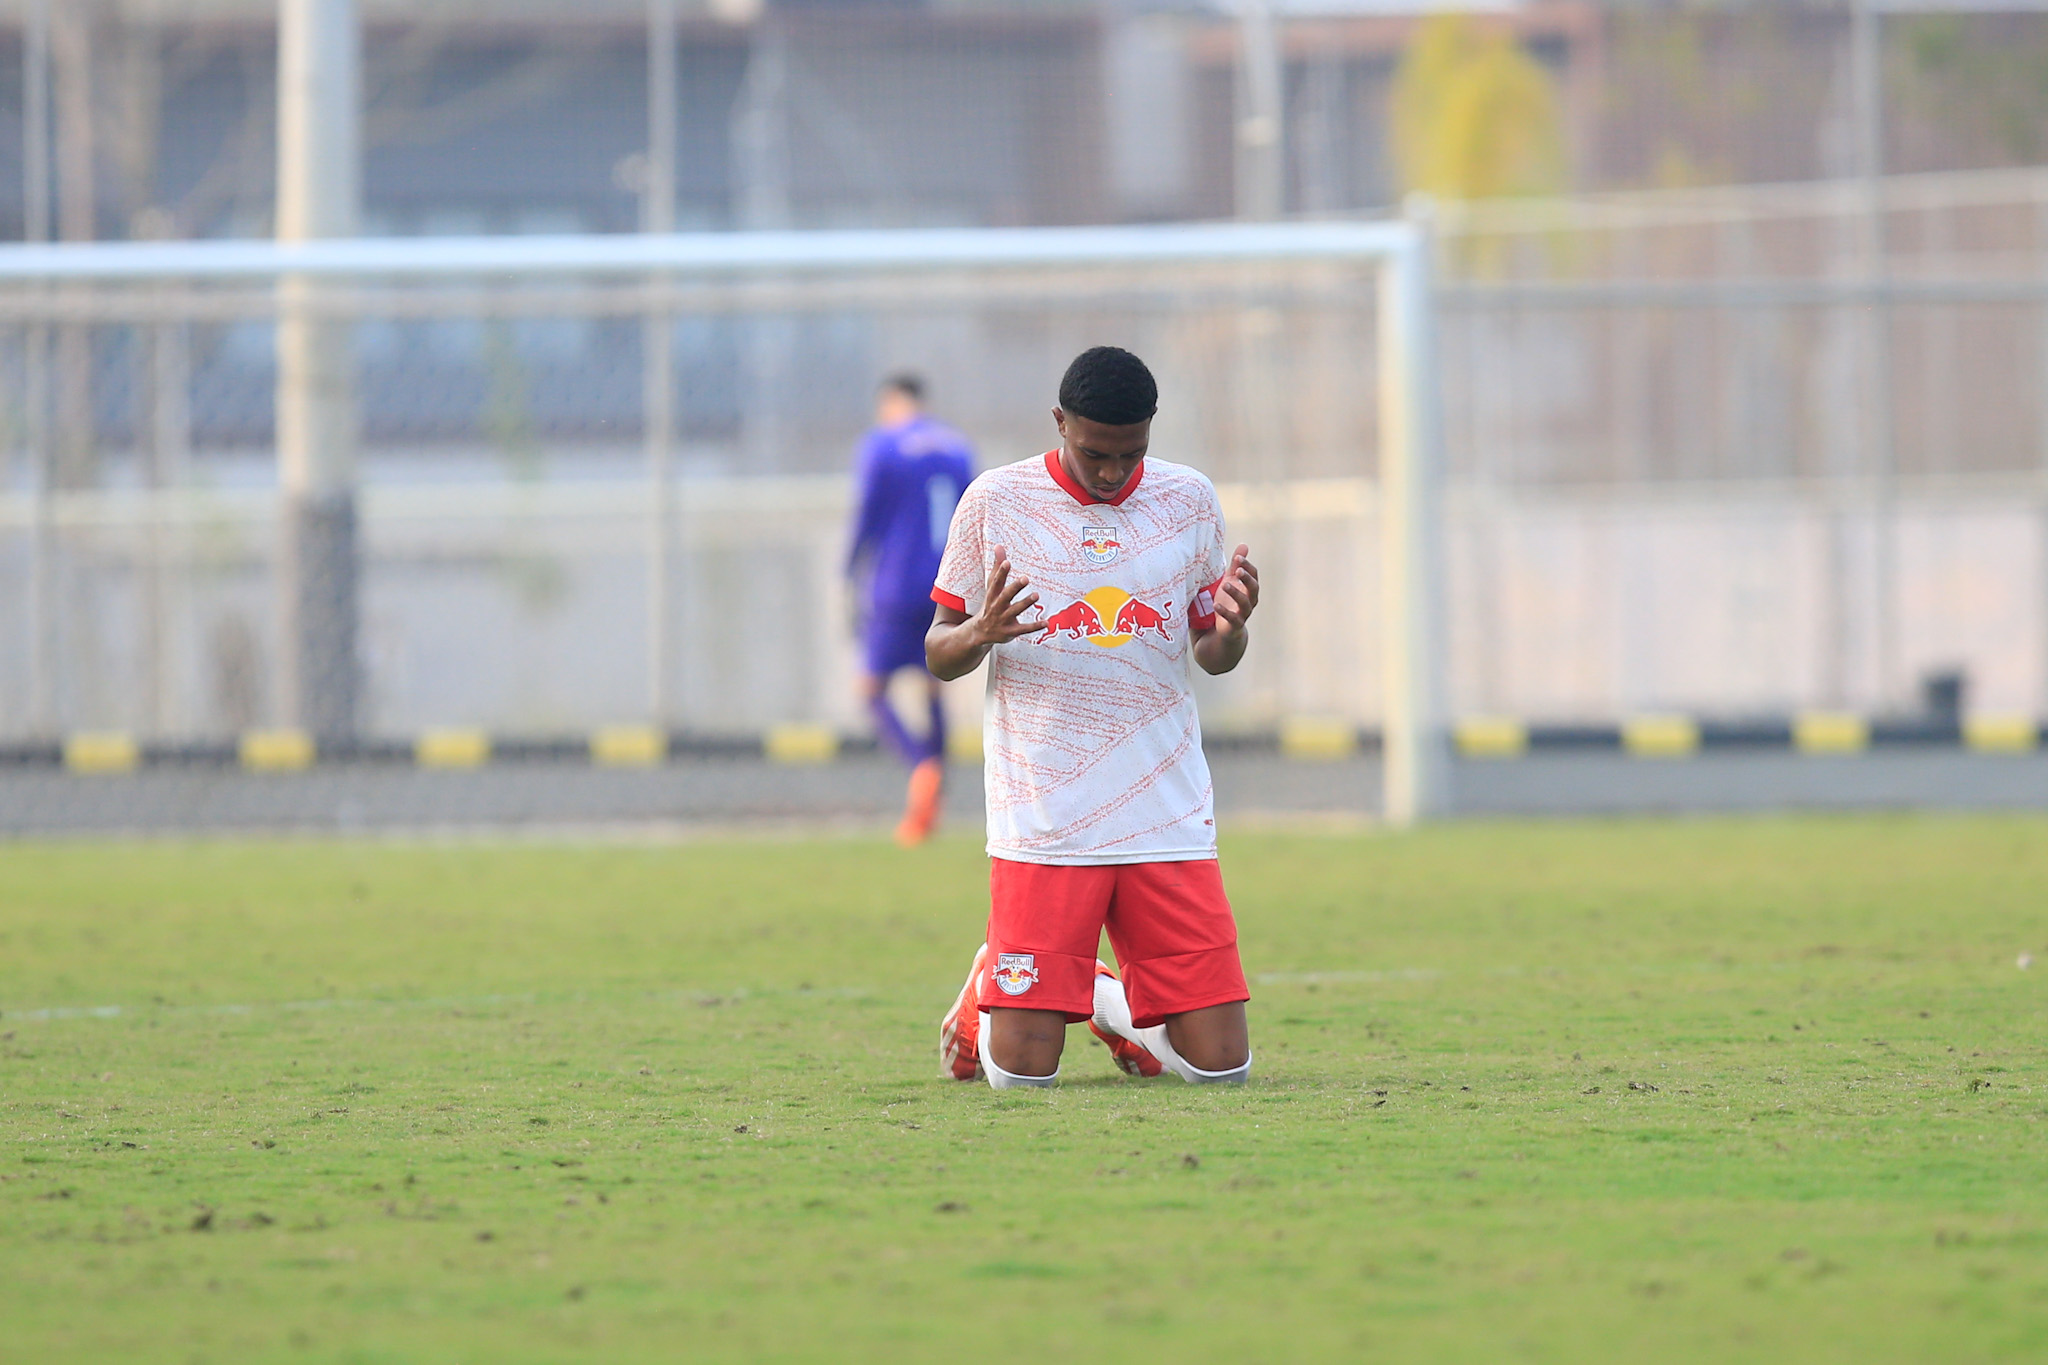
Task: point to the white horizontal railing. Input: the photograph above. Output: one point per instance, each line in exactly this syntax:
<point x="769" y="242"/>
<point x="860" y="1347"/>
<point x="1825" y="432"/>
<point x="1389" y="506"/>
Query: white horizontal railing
<point x="705" y="253"/>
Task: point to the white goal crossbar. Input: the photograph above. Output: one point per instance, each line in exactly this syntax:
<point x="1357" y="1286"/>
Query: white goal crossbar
<point x="1414" y="748"/>
<point x="707" y="253"/>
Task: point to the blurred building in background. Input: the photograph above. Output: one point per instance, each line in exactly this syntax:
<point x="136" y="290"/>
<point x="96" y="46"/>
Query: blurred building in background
<point x="1735" y="426"/>
<point x="528" y="115"/>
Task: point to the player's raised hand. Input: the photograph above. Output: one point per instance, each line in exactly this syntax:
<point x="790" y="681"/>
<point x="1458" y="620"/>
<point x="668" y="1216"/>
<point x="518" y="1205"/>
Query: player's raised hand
<point x="1003" y="604"/>
<point x="1222" y="646"/>
<point x="1237" y="594"/>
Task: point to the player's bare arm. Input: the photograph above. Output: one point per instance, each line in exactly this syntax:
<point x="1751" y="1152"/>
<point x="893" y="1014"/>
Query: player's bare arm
<point x="1220" y="648"/>
<point x="957" y="642"/>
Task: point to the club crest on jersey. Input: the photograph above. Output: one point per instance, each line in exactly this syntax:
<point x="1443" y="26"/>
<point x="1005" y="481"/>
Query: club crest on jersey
<point x="1016" y="973"/>
<point x="1099" y="545"/>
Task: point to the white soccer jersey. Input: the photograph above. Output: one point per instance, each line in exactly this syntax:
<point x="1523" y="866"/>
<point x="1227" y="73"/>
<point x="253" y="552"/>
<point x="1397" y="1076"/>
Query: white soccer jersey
<point x="1093" y="751"/>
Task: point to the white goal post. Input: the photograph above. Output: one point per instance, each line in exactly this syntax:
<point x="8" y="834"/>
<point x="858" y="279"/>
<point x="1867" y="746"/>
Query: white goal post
<point x="1414" y="742"/>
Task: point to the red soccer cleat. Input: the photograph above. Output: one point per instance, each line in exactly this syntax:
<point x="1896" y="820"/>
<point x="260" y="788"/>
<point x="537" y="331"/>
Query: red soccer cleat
<point x="1132" y="1059"/>
<point x="921" y="804"/>
<point x="960" y="1030"/>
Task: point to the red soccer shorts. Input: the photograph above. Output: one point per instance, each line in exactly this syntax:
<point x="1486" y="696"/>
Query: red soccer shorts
<point x="1170" y="924"/>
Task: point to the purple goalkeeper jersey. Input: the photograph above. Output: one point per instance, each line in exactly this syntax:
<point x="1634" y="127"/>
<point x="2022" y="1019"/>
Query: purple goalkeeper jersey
<point x="910" y="479"/>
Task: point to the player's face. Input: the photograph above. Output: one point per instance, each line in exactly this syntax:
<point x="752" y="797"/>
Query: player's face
<point x="1098" y="457"/>
<point x="894" y="407"/>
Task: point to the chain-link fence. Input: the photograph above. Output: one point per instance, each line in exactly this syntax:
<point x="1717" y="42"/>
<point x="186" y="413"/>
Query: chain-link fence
<point x="1707" y="453"/>
<point x="1752" y="450"/>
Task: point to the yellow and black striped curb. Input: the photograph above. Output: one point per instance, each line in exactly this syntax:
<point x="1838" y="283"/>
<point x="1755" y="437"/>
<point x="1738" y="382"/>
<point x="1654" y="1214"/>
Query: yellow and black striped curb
<point x="1307" y="739"/>
<point x="289" y="750"/>
<point x="1809" y="732"/>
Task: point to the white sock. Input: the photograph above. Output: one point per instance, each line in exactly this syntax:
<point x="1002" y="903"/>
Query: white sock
<point x="1237" y="1075"/>
<point x="1113" y="1012"/>
<point x="999" y="1079"/>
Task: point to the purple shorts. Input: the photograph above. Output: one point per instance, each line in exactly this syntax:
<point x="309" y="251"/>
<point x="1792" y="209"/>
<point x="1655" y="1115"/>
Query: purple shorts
<point x="893" y="638"/>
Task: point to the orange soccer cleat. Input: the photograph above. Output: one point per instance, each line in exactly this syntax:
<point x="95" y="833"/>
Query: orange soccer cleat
<point x="921" y="806"/>
<point x="1129" y="1056"/>
<point x="960" y="1030"/>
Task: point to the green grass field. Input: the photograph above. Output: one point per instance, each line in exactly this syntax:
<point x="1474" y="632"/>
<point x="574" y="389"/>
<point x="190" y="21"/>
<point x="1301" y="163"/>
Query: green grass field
<point x="1559" y="1092"/>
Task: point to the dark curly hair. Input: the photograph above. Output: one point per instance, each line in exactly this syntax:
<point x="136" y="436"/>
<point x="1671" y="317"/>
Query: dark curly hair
<point x="909" y="383"/>
<point x="1108" y="384"/>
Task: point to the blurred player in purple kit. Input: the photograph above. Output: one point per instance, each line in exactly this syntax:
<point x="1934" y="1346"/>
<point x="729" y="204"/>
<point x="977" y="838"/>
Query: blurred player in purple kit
<point x="911" y="472"/>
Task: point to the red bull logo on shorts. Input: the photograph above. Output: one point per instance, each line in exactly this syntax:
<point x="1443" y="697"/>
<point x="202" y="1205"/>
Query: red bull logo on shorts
<point x="1016" y="973"/>
<point x="1099" y="544"/>
<point x="1109" y="617"/>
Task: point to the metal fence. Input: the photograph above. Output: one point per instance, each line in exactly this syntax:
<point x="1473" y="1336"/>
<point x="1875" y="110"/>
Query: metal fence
<point x="543" y="550"/>
<point x="1753" y="449"/>
<point x="1725" y="452"/>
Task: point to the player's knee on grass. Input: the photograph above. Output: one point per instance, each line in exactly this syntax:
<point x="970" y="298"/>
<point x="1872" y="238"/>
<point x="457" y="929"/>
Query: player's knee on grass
<point x="1215" y="1041"/>
<point x="999" y="1079"/>
<point x="1023" y="1043"/>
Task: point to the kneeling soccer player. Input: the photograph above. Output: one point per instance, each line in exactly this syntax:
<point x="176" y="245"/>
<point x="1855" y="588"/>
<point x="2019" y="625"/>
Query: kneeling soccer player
<point x="1087" y="577"/>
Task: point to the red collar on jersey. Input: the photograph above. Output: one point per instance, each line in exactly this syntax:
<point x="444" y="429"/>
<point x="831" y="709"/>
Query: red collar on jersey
<point x="1082" y="495"/>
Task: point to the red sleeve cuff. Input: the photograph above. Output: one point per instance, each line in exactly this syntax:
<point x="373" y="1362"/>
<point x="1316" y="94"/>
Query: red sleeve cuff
<point x="1202" y="611"/>
<point x="947" y="599"/>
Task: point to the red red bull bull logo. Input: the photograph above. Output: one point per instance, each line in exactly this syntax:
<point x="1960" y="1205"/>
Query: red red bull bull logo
<point x="1135" y="618"/>
<point x="1099" y="544"/>
<point x="1015" y="973"/>
<point x="1108" y="617"/>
